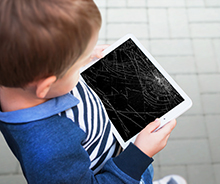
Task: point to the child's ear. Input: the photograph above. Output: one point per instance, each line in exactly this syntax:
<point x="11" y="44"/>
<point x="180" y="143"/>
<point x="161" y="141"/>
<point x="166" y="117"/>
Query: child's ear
<point x="43" y="86"/>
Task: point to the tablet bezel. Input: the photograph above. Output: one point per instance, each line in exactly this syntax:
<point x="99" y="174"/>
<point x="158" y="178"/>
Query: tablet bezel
<point x="173" y="113"/>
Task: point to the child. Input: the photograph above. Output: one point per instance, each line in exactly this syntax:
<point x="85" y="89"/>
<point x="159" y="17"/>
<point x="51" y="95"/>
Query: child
<point x="52" y="121"/>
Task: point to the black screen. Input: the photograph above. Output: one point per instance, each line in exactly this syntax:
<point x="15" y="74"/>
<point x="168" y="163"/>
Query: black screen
<point x="131" y="88"/>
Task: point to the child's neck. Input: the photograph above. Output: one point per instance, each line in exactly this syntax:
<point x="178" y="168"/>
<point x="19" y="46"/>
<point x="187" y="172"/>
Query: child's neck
<point x="12" y="99"/>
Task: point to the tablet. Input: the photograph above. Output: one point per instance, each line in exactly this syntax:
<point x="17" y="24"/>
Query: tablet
<point x="134" y="88"/>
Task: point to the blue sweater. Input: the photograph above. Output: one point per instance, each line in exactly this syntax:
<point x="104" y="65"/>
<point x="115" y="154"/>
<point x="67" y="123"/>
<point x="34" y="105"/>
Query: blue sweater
<point x="54" y="145"/>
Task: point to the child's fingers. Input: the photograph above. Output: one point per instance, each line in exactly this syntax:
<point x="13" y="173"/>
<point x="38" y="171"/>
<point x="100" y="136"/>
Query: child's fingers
<point x="98" y="50"/>
<point x="153" y="126"/>
<point x="167" y="129"/>
<point x="172" y="124"/>
<point x="103" y="47"/>
<point x="99" y="54"/>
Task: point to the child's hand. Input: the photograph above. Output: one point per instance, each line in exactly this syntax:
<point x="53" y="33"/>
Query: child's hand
<point x="151" y="142"/>
<point x="97" y="52"/>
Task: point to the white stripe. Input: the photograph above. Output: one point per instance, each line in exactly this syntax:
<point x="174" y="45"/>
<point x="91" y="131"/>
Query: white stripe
<point x="109" y="155"/>
<point x="94" y="153"/>
<point x="109" y="142"/>
<point x="70" y="115"/>
<point x="80" y="110"/>
<point x="89" y="114"/>
<point x="97" y="109"/>
<point x="95" y="127"/>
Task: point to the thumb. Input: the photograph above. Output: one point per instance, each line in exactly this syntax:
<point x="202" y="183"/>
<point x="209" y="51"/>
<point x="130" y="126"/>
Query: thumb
<point x="153" y="125"/>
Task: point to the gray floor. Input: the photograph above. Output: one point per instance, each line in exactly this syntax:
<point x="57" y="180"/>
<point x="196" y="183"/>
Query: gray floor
<point x="184" y="37"/>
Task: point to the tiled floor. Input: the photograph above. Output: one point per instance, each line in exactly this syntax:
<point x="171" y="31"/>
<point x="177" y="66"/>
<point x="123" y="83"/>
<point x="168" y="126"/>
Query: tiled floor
<point x="184" y="37"/>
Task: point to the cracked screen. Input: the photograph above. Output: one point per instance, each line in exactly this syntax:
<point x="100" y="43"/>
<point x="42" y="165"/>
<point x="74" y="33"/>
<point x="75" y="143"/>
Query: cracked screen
<point x="132" y="89"/>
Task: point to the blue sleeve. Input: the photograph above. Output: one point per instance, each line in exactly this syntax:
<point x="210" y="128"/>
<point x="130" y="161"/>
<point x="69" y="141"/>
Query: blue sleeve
<point x="133" y="161"/>
<point x="54" y="154"/>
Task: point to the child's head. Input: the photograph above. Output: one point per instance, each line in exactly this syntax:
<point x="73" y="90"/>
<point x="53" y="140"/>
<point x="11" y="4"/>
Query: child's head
<point x="42" y="38"/>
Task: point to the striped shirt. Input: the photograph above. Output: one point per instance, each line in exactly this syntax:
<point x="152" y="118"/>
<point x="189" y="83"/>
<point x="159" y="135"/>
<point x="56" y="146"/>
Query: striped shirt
<point x="92" y="118"/>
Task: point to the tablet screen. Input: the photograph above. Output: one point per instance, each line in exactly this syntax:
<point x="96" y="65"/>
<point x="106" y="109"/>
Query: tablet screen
<point x="132" y="89"/>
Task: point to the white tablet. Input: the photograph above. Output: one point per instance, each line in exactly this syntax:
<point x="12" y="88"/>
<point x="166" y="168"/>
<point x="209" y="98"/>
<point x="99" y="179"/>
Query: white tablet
<point x="134" y="88"/>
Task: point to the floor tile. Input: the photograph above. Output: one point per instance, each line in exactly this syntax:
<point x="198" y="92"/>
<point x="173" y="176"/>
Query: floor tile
<point x="12" y="179"/>
<point x="189" y="84"/>
<point x="209" y="83"/>
<point x="177" y="64"/>
<point x="206" y="61"/>
<point x="190" y="127"/>
<point x="201" y="174"/>
<point x="204" y="14"/>
<point x="158" y="23"/>
<point x="8" y="161"/>
<point x="205" y="30"/>
<point x="174" y="47"/>
<point x="210" y="103"/>
<point x="178" y="23"/>
<point x="167" y="3"/>
<point x="213" y="127"/>
<point x="216" y="168"/>
<point x="139" y="30"/>
<point x="131" y="15"/>
<point x="187" y="151"/>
